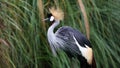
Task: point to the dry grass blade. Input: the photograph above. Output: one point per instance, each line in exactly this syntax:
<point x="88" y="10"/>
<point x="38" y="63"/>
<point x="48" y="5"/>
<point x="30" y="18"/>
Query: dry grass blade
<point x="4" y="42"/>
<point x="4" y="62"/>
<point x="41" y="10"/>
<point x="85" y="17"/>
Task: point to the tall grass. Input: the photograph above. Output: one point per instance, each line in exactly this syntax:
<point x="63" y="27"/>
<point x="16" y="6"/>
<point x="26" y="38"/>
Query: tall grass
<point x="23" y="41"/>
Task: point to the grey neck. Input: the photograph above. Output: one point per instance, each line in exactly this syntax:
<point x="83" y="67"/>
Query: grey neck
<point x="51" y="28"/>
<point x="51" y="36"/>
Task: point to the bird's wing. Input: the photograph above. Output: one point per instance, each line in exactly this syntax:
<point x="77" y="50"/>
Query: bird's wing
<point x="67" y="33"/>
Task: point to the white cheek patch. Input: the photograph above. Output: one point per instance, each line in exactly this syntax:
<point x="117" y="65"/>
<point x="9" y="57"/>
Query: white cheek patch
<point x="51" y="18"/>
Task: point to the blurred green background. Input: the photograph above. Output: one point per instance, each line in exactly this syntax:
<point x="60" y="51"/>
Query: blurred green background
<point x="23" y="41"/>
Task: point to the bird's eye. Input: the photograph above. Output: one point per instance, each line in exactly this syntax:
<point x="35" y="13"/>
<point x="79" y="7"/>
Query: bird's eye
<point x="51" y="18"/>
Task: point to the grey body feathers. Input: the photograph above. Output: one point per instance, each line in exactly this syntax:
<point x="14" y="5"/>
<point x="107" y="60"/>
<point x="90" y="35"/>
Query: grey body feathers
<point x="66" y="34"/>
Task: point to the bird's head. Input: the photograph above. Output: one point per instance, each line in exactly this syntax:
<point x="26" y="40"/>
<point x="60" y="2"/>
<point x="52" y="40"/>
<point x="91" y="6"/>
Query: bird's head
<point x="55" y="14"/>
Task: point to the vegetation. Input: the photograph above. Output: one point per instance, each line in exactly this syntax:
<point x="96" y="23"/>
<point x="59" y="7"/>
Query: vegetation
<point x="23" y="41"/>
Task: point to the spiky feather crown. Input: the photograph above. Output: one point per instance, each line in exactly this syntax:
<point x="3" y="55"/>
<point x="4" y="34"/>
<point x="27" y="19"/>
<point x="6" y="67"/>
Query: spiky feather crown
<point x="57" y="13"/>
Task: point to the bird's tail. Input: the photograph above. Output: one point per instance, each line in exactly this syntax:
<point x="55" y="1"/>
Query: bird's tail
<point x="93" y="63"/>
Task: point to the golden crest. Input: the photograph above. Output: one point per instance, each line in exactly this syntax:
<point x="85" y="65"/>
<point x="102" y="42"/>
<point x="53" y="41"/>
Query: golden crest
<point x="57" y="13"/>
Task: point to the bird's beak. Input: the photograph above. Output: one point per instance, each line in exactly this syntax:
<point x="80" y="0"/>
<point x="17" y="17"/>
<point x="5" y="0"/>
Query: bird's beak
<point x="45" y="19"/>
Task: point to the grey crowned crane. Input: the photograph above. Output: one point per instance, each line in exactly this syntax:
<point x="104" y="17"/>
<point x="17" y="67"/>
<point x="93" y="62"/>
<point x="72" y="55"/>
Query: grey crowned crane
<point x="70" y="40"/>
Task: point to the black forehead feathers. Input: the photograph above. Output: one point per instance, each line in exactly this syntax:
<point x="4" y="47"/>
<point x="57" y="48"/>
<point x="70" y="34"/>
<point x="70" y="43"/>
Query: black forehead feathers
<point x="49" y="15"/>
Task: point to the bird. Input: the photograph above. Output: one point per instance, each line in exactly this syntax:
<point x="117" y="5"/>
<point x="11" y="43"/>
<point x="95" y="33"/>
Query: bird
<point x="68" y="39"/>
